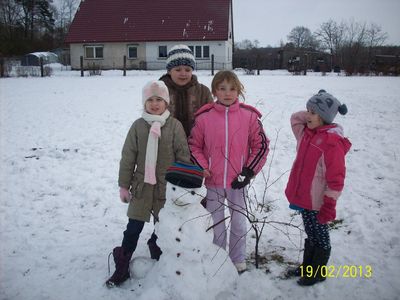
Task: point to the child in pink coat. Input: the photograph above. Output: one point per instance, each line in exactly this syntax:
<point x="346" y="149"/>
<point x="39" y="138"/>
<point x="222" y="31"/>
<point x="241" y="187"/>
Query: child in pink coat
<point x="317" y="179"/>
<point x="229" y="143"/>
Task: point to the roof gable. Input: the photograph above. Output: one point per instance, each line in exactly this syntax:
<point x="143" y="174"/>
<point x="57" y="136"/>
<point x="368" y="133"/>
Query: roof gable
<point x="155" y="20"/>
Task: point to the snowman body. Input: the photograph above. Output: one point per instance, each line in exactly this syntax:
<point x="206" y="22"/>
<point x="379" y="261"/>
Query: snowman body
<point x="191" y="264"/>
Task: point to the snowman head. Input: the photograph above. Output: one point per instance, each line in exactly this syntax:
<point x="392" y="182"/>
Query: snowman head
<point x="184" y="196"/>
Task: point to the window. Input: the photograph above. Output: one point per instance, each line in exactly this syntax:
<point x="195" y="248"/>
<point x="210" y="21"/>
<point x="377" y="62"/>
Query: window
<point x="132" y="52"/>
<point x="162" y="51"/>
<point x="206" y="51"/>
<point x="198" y="52"/>
<point x="94" y="52"/>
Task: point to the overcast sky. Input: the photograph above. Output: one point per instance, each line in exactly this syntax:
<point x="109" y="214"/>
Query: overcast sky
<point x="270" y="21"/>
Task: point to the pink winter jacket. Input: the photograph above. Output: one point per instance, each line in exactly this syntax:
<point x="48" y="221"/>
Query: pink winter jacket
<point x="319" y="169"/>
<point x="226" y="139"/>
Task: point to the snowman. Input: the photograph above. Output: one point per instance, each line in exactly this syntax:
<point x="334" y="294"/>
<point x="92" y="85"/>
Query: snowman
<point x="190" y="263"/>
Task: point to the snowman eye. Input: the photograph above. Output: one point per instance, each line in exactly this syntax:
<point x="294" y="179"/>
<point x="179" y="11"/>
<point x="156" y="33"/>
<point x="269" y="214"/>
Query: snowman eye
<point x="173" y="188"/>
<point x="193" y="193"/>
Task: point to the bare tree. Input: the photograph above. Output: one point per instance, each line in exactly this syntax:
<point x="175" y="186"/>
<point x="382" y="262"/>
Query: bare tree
<point x="36" y="16"/>
<point x="9" y="17"/>
<point x="64" y="15"/>
<point x="259" y="209"/>
<point x="66" y="12"/>
<point x="331" y="37"/>
<point x="301" y="37"/>
<point x="247" y="44"/>
<point x="356" y="34"/>
<point x="375" y="37"/>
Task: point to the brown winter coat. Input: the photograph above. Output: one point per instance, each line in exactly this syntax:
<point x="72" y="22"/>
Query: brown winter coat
<point x="195" y="96"/>
<point x="148" y="199"/>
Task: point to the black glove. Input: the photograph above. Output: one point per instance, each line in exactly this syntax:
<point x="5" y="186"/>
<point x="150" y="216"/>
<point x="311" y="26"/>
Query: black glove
<point x="243" y="179"/>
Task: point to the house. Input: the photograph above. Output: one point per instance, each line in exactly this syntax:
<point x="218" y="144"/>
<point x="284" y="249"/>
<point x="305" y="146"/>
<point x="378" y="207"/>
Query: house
<point x="103" y="32"/>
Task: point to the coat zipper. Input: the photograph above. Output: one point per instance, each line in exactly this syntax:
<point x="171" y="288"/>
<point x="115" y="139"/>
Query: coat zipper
<point x="226" y="147"/>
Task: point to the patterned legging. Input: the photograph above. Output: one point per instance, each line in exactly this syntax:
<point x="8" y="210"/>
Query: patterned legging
<point x="316" y="232"/>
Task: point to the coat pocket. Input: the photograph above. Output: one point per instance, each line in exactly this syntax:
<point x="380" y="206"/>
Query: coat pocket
<point x="137" y="185"/>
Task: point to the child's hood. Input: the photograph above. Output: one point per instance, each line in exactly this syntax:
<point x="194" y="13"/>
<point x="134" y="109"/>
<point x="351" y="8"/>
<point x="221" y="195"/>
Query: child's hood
<point x="336" y="136"/>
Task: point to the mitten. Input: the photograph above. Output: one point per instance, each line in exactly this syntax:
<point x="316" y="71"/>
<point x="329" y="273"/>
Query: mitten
<point x="243" y="179"/>
<point x="124" y="195"/>
<point x="327" y="212"/>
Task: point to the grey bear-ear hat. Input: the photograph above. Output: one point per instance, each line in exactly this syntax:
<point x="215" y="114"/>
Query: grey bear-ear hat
<point x="326" y="106"/>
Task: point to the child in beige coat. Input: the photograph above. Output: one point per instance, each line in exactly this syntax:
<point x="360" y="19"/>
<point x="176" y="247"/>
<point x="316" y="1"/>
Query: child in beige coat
<point x="154" y="142"/>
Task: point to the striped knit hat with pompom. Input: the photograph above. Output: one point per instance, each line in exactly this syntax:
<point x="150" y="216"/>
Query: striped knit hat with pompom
<point x="180" y="55"/>
<point x="185" y="175"/>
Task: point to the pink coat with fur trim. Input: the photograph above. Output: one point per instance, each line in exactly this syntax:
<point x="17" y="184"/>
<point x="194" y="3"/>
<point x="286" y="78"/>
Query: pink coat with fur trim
<point x="226" y="139"/>
<point x="319" y="169"/>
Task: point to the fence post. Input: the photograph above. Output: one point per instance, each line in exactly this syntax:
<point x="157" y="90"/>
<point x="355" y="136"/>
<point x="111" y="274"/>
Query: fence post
<point x="81" y="64"/>
<point x="212" y="64"/>
<point x="41" y="66"/>
<point x="124" y="65"/>
<point x="306" y="64"/>
<point x="1" y="67"/>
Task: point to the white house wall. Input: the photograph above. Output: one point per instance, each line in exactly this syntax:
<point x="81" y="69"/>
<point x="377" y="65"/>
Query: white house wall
<point x="113" y="54"/>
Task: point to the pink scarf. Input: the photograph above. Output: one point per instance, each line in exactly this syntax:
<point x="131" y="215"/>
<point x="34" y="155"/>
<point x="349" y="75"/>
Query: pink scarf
<point x="156" y="122"/>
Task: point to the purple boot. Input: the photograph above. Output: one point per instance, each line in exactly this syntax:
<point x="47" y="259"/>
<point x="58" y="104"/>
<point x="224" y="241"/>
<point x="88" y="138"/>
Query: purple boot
<point x="121" y="273"/>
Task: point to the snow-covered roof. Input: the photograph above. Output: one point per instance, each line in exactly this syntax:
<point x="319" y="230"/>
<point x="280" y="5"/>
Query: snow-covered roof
<point x="43" y="54"/>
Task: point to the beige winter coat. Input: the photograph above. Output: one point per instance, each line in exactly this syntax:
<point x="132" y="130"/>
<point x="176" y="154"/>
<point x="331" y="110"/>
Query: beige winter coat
<point x="148" y="199"/>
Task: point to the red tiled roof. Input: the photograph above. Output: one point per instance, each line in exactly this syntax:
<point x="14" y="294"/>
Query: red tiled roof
<point x="149" y="20"/>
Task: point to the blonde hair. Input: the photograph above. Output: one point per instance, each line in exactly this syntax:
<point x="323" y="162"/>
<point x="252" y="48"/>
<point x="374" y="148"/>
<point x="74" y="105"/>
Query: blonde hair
<point x="231" y="78"/>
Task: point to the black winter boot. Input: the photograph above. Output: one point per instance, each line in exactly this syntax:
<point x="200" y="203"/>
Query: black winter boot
<point x="307" y="259"/>
<point x="320" y="259"/>
<point x="121" y="259"/>
<point x="155" y="251"/>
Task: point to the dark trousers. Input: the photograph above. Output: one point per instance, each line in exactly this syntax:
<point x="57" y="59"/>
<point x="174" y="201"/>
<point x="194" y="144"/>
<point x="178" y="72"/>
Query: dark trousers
<point x="131" y="235"/>
<point x="316" y="232"/>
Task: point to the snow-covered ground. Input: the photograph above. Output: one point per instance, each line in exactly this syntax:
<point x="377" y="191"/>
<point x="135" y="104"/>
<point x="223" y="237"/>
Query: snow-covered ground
<point x="60" y="213"/>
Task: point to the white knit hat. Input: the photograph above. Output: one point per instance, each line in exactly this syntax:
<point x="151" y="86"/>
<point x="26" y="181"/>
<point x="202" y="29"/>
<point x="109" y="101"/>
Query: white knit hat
<point x="180" y="55"/>
<point x="155" y="88"/>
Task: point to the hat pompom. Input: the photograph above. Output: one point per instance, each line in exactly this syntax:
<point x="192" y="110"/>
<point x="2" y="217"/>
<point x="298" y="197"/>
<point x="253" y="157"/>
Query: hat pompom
<point x="321" y="91"/>
<point x="342" y="109"/>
